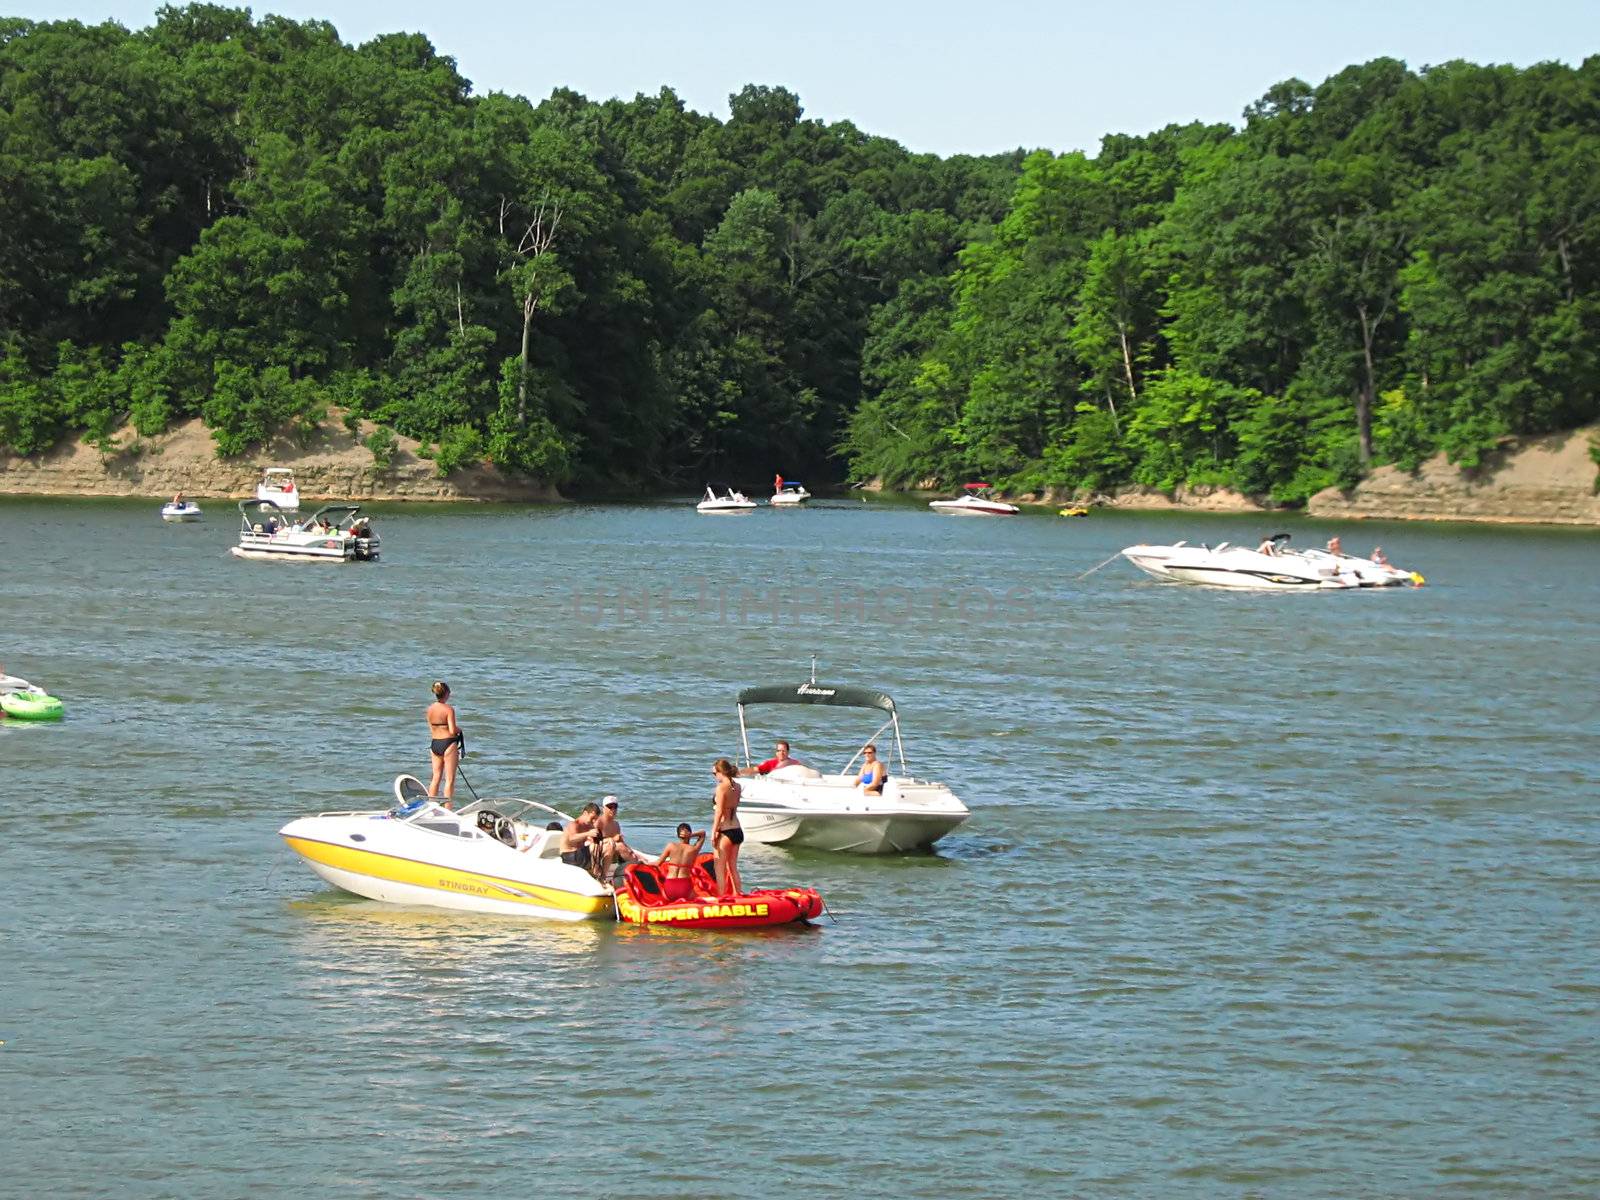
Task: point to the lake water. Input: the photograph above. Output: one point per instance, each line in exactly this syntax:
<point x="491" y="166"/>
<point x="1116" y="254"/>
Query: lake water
<point x="1262" y="894"/>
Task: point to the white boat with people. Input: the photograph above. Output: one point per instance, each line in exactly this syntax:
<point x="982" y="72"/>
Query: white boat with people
<point x="181" y="511"/>
<point x="789" y="493"/>
<point x="334" y="533"/>
<point x="277" y="485"/>
<point x="729" y="501"/>
<point x="1271" y="565"/>
<point x="976" y="499"/>
<point x="490" y="855"/>
<point x="797" y="805"/>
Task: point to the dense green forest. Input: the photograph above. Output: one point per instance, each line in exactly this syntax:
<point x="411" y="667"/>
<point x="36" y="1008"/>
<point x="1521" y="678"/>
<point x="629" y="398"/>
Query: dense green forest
<point x="253" y="222"/>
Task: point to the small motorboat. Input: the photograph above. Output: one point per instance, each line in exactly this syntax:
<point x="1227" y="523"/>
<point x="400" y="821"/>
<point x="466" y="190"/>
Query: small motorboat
<point x="179" y="513"/>
<point x="22" y="701"/>
<point x="1076" y="510"/>
<point x="334" y="533"/>
<point x="798" y="805"/>
<point x="492" y="856"/>
<point x="730" y="501"/>
<point x="277" y="485"/>
<point x="642" y="901"/>
<point x="976" y="499"/>
<point x="789" y="493"/>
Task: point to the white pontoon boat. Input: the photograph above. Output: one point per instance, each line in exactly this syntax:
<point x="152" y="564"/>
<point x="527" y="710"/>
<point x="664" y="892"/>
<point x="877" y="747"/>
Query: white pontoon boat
<point x="334" y="533"/>
<point x="730" y="501"/>
<point x="977" y="499"/>
<point x="494" y="856"/>
<point x="792" y="492"/>
<point x="800" y="806"/>
<point x="277" y="485"/>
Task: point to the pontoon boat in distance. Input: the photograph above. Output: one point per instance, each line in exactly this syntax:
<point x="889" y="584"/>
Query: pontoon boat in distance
<point x="800" y="806"/>
<point x="334" y="533"/>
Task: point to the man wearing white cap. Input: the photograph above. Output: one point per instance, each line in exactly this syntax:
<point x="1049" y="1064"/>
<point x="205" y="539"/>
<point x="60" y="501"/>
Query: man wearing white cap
<point x="611" y="831"/>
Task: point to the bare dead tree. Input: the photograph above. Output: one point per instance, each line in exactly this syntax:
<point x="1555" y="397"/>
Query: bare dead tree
<point x="537" y="275"/>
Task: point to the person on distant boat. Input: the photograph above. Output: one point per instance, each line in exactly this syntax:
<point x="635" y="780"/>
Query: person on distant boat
<point x="677" y="862"/>
<point x="447" y="744"/>
<point x="777" y="483"/>
<point x="873" y="772"/>
<point x="611" y="832"/>
<point x="727" y="835"/>
<point x="1333" y="545"/>
<point x="780" y="758"/>
<point x="582" y="845"/>
<point x="1379" y="557"/>
<point x="177" y="501"/>
<point x="1268" y="546"/>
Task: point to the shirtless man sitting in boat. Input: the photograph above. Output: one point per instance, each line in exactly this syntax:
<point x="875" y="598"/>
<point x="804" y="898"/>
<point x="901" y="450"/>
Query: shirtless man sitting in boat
<point x="582" y="845"/>
<point x="677" y="859"/>
<point x="611" y="834"/>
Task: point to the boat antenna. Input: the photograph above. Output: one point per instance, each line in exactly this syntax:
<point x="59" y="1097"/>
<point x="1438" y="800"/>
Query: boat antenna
<point x="813" y="668"/>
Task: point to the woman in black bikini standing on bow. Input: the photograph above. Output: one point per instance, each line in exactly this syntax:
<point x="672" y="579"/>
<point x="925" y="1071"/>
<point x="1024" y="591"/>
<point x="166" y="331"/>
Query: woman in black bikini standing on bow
<point x="446" y="744"/>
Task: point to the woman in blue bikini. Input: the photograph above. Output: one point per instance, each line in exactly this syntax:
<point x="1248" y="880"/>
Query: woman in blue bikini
<point x="873" y="772"/>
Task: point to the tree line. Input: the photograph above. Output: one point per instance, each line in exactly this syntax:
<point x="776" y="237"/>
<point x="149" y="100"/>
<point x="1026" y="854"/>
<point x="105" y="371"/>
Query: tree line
<point x="254" y="222"/>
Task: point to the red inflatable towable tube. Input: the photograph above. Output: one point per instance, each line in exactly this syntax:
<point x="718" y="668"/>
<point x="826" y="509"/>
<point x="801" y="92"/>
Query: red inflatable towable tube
<point x="642" y="901"/>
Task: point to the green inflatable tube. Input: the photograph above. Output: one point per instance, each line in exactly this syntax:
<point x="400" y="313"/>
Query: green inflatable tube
<point x="31" y="706"/>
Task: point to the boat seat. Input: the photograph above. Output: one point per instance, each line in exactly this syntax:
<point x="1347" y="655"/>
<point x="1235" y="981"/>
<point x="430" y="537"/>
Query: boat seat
<point x="647" y="878"/>
<point x="795" y="771"/>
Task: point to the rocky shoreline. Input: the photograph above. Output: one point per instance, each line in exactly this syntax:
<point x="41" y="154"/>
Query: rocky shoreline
<point x="1549" y="480"/>
<point x="332" y="464"/>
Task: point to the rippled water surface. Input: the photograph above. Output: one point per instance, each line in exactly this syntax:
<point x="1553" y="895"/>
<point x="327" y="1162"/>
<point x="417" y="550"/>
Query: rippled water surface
<point x="1262" y="895"/>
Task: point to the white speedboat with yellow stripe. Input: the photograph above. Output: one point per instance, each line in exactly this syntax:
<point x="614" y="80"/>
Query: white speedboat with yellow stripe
<point x="494" y="856"/>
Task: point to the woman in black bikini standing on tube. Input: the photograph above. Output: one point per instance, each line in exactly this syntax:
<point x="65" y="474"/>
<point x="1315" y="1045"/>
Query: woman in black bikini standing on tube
<point x="726" y="833"/>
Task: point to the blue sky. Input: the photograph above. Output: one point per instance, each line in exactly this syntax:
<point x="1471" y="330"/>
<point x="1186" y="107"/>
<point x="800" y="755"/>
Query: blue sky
<point x="977" y="76"/>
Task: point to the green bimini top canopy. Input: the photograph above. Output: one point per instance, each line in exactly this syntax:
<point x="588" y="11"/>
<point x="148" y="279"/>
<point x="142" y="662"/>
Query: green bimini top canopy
<point x="817" y="693"/>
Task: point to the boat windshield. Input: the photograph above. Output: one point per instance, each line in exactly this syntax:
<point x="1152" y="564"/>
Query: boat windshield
<point x="530" y="811"/>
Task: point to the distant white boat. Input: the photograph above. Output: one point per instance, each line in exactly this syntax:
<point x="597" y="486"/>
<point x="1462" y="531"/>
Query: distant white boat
<point x="792" y="492"/>
<point x="978" y="499"/>
<point x="187" y="511"/>
<point x="277" y="485"/>
<point x="730" y="501"/>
